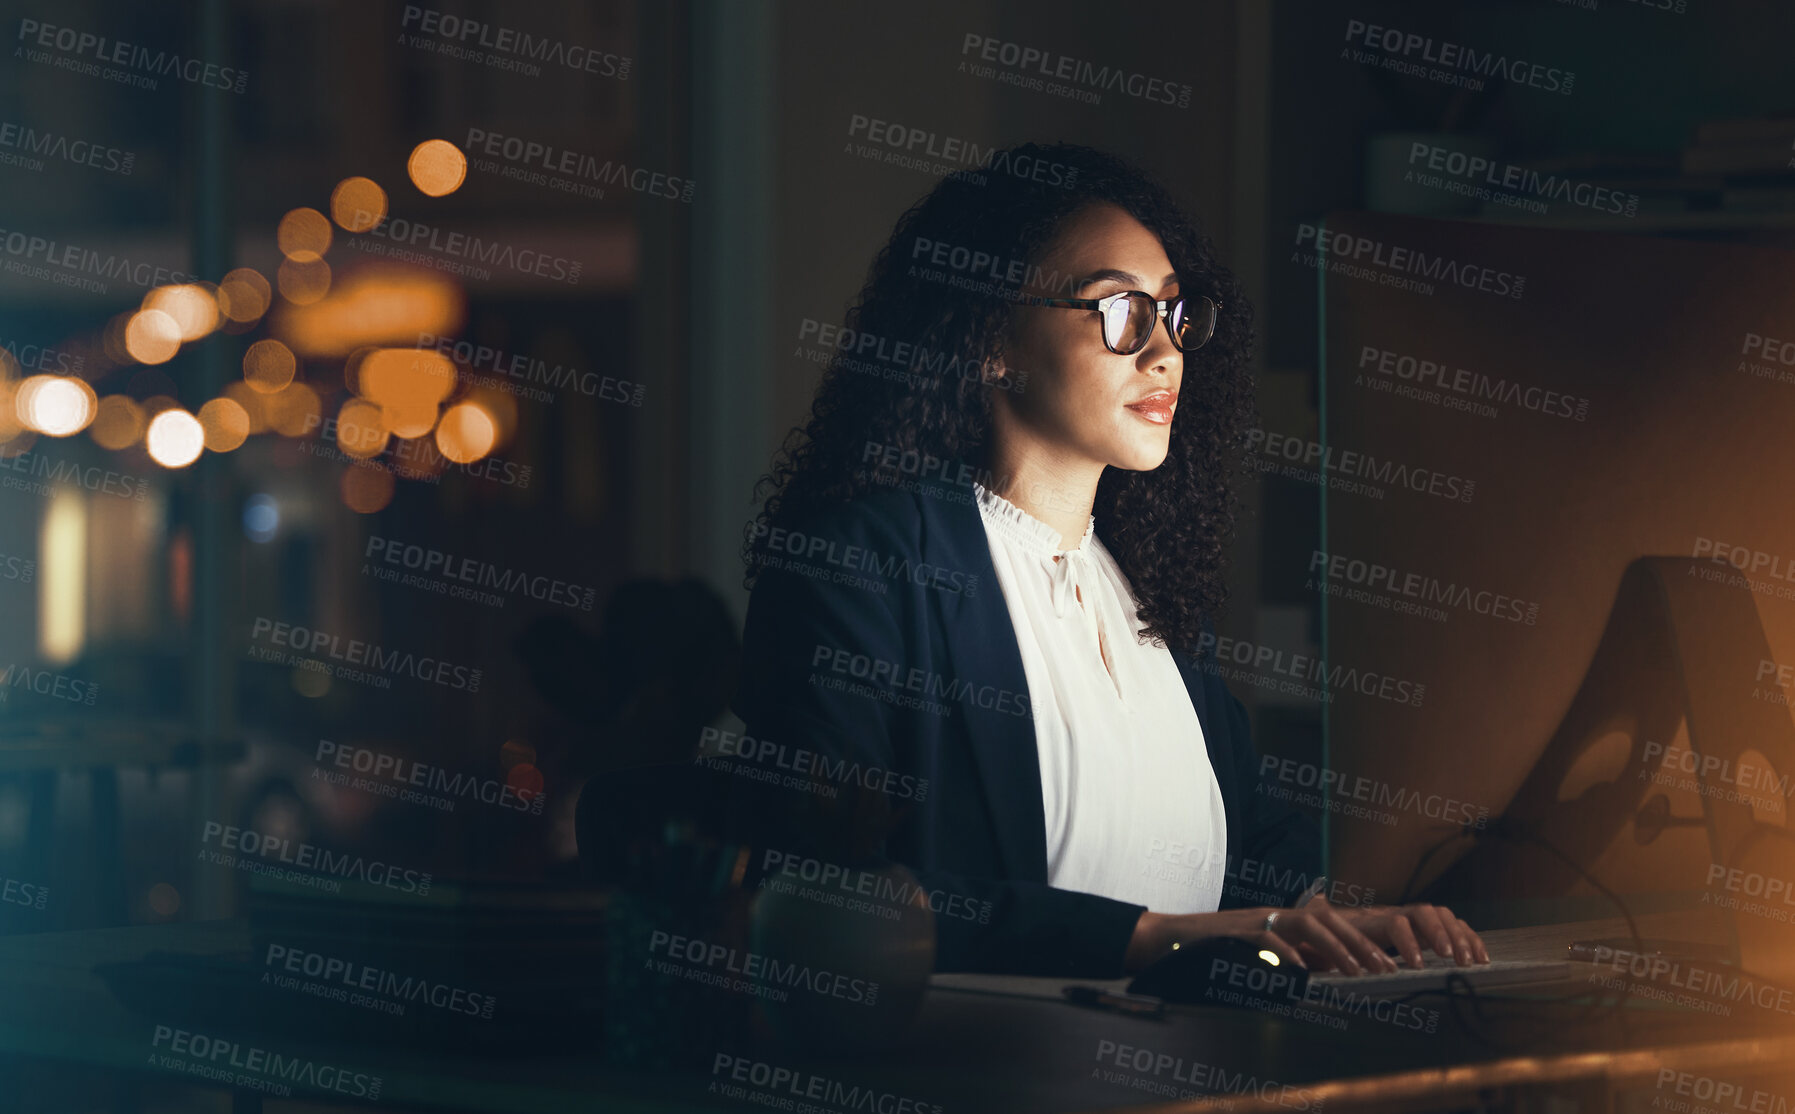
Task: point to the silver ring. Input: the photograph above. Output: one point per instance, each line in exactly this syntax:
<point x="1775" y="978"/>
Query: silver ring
<point x="1270" y="918"/>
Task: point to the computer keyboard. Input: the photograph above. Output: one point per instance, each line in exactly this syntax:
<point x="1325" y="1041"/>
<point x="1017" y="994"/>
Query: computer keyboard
<point x="1409" y="980"/>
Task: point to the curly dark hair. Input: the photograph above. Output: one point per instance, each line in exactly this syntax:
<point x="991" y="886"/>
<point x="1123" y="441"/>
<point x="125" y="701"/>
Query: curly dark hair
<point x="1168" y="528"/>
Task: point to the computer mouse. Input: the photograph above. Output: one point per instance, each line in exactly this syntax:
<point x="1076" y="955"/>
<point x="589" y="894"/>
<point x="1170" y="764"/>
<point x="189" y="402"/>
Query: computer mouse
<point x="1223" y="971"/>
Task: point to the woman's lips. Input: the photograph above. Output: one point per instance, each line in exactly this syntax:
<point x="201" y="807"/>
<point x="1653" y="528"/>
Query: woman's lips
<point x="1156" y="409"/>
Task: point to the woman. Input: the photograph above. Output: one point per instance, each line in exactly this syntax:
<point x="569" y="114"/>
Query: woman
<point x="987" y="564"/>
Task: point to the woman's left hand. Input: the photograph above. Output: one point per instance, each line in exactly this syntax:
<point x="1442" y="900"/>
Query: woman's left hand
<point x="1408" y="928"/>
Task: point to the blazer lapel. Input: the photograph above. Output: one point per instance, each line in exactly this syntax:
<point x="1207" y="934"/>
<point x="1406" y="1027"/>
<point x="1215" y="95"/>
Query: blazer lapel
<point x="982" y="650"/>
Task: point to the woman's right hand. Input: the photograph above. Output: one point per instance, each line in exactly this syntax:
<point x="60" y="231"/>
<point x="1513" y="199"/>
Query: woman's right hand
<point x="1315" y="937"/>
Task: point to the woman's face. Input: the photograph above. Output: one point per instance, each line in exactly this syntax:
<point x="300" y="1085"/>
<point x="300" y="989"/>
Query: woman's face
<point x="1080" y="400"/>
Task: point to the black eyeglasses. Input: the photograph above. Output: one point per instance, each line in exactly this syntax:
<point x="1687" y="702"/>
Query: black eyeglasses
<point x="1129" y="318"/>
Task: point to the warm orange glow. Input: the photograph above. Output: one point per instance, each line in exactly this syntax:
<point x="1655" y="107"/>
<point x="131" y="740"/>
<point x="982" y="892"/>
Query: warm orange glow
<point x="466" y="433"/>
<point x="502" y="406"/>
<point x="361" y="432"/>
<point x="192" y="306"/>
<point x="357" y="204"/>
<point x="10" y="425"/>
<point x="410" y="421"/>
<point x="226" y="424"/>
<point x="55" y="405"/>
<point x="405" y="378"/>
<point x="373" y="307"/>
<point x="254" y="403"/>
<point x="152" y="337"/>
<point x="303" y="282"/>
<point x="367" y="488"/>
<point x="155" y="404"/>
<point x="269" y="366"/>
<point x="437" y="167"/>
<point x="526" y="779"/>
<point x="244" y="295"/>
<point x="303" y="236"/>
<point x="119" y="423"/>
<point x="418" y="460"/>
<point x="175" y="439"/>
<point x="295" y="411"/>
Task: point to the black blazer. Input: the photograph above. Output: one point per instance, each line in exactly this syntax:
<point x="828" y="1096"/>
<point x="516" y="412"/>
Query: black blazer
<point x="893" y="604"/>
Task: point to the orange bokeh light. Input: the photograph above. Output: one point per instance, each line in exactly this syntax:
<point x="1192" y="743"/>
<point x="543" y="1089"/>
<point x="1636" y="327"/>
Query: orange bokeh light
<point x="303" y="235"/>
<point x="367" y="488"/>
<point x="357" y="204"/>
<point x="361" y="431"/>
<point x="118" y="424"/>
<point x="294" y="411"/>
<point x="244" y="295"/>
<point x="437" y="167"/>
<point x="193" y="307"/>
<point x="55" y="405"/>
<point x="466" y="433"/>
<point x="269" y="366"/>
<point x="303" y="282"/>
<point x="152" y="337"/>
<point x="381" y="306"/>
<point x="226" y="424"/>
<point x="405" y="378"/>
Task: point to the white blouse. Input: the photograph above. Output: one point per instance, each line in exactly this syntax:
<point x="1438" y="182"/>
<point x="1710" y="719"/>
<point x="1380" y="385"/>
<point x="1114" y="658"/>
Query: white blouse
<point x="1133" y="809"/>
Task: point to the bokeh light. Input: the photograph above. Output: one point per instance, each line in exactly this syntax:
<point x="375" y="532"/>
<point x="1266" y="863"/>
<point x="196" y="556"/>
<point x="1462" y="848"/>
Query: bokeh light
<point x="303" y="235"/>
<point x="118" y="424"/>
<point x="303" y="281"/>
<point x="437" y="167"/>
<point x="357" y="204"/>
<point x="405" y="377"/>
<point x="244" y="295"/>
<point x="380" y="306"/>
<point x="254" y="403"/>
<point x="261" y="518"/>
<point x="55" y="405"/>
<point x="466" y="433"/>
<point x="268" y="366"/>
<point x="193" y="307"/>
<point x="152" y="336"/>
<point x="294" y="411"/>
<point x="361" y="432"/>
<point x="367" y="488"/>
<point x="226" y="424"/>
<point x="175" y="438"/>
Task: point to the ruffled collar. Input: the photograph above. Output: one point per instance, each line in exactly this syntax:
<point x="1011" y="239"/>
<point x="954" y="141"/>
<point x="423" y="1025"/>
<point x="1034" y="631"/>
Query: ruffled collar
<point x="1025" y="529"/>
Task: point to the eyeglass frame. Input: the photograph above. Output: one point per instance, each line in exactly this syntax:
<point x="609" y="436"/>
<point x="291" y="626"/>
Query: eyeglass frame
<point x="1101" y="305"/>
